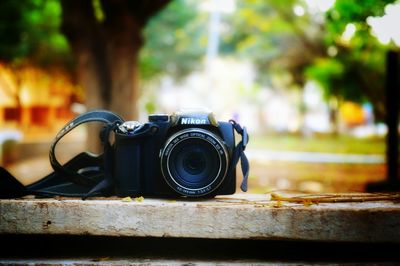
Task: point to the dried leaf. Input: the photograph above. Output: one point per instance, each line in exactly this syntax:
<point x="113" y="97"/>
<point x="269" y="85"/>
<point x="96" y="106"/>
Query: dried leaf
<point x="278" y="204"/>
<point x="308" y="202"/>
<point x="102" y="259"/>
<point x="276" y="197"/>
<point x="308" y="199"/>
<point x="127" y="199"/>
<point x="139" y="199"/>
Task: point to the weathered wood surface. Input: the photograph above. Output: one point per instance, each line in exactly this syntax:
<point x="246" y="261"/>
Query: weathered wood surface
<point x="237" y="217"/>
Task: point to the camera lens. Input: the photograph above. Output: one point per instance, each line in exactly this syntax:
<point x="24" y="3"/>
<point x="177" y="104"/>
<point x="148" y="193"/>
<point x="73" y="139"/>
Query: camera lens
<point x="194" y="162"/>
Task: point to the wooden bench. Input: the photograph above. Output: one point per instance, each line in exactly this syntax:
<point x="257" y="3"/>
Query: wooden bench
<point x="246" y="217"/>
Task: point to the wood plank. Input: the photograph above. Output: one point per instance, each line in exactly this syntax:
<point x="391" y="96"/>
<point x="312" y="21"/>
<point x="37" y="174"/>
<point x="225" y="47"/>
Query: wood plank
<point x="237" y="217"/>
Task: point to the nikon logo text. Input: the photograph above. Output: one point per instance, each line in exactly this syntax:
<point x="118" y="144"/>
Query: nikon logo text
<point x="193" y="121"/>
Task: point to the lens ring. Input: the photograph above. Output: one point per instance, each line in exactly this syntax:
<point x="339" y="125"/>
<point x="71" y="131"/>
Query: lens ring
<point x="216" y="152"/>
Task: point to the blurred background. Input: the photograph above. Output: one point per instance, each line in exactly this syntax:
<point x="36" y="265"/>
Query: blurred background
<point x="308" y="78"/>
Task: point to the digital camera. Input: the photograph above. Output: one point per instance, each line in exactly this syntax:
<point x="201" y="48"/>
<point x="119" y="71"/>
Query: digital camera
<point x="184" y="154"/>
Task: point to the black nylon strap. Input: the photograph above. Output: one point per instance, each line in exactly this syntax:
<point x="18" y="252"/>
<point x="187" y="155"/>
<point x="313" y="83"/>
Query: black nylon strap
<point x="239" y="154"/>
<point x="58" y="184"/>
<point x="91" y="116"/>
<point x="108" y="181"/>
<point x="9" y="186"/>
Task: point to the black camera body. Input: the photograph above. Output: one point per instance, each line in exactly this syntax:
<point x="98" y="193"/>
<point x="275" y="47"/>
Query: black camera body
<point x="184" y="154"/>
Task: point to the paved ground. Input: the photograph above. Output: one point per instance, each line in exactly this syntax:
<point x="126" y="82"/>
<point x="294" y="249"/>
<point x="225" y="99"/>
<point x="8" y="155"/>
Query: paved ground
<point x="313" y="157"/>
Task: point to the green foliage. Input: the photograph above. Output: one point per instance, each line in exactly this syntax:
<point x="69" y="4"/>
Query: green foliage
<point x="327" y="72"/>
<point x="257" y="26"/>
<point x="311" y="46"/>
<point x="347" y="11"/>
<point x="274" y="38"/>
<point x="98" y="11"/>
<point x="362" y="57"/>
<point x="30" y="29"/>
<point x="174" y="41"/>
<point x="267" y="33"/>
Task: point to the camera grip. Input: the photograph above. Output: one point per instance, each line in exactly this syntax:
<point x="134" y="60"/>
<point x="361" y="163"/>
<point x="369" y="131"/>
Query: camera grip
<point x="127" y="168"/>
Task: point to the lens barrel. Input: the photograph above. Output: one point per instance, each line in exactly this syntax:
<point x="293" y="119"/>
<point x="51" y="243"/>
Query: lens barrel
<point x="194" y="162"/>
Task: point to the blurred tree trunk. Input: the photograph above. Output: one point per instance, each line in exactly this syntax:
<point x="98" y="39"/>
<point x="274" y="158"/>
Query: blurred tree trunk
<point x="105" y="37"/>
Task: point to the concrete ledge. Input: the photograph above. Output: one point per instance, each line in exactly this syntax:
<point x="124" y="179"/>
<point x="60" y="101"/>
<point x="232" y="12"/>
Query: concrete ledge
<point x="236" y="217"/>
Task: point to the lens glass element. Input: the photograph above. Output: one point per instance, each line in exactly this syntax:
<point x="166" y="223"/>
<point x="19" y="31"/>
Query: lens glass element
<point x="194" y="162"/>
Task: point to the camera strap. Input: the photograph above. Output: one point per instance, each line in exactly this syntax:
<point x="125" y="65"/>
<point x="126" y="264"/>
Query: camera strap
<point x="84" y="175"/>
<point x="107" y="117"/>
<point x="238" y="153"/>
